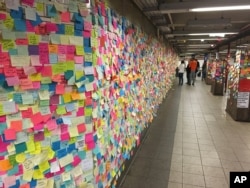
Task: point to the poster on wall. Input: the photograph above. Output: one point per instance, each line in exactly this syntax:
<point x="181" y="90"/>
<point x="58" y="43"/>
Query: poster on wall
<point x="243" y="100"/>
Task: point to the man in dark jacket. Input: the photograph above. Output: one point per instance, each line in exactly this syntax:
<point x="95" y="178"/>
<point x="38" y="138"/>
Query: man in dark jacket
<point x="188" y="71"/>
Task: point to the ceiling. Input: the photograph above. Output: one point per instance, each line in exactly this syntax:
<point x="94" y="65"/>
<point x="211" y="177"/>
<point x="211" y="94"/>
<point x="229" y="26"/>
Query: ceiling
<point x="188" y="31"/>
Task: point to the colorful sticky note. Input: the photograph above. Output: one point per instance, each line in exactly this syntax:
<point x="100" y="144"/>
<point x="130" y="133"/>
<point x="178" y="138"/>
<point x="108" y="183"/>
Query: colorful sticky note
<point x="10" y="134"/>
<point x="65" y="17"/>
<point x="16" y="125"/>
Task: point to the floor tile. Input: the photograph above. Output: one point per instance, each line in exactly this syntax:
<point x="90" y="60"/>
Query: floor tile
<point x="174" y="185"/>
<point x="213" y="182"/>
<point x="213" y="171"/>
<point x="210" y="162"/>
<point x="191" y="160"/>
<point x="175" y="176"/>
<point x="193" y="179"/>
<point x="192" y="169"/>
<point x="191" y="152"/>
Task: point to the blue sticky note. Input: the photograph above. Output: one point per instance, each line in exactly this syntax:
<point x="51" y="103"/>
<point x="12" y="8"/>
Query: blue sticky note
<point x="17" y="185"/>
<point x="90" y="78"/>
<point x="68" y="168"/>
<point x="79" y="26"/>
<point x="68" y="74"/>
<point x="3" y="126"/>
<point x="44" y="87"/>
<point x="61" y="153"/>
<point x="33" y="50"/>
<point x="78" y="33"/>
<point x="78" y="18"/>
<point x="17" y="97"/>
<point x="71" y="148"/>
<point x="87" y="42"/>
<point x="81" y="154"/>
<point x="88" y="64"/>
<point x="37" y="21"/>
<point x="53" y="58"/>
<point x="61" y="29"/>
<point x="52" y="87"/>
<point x="56" y="145"/>
<point x="69" y="107"/>
<point x="82" y="89"/>
<point x="20" y="148"/>
<point x="20" y="25"/>
<point x="51" y="10"/>
<point x="33" y="183"/>
<point x="13" y="52"/>
<point x="13" y="171"/>
<point x="59" y="121"/>
<point x="16" y="13"/>
<point x="88" y="49"/>
<point x="122" y="92"/>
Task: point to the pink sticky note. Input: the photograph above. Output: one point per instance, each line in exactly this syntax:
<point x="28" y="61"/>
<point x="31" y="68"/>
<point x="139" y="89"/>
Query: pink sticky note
<point x="28" y="2"/>
<point x="51" y="27"/>
<point x="22" y="42"/>
<point x="29" y="70"/>
<point x="12" y="81"/>
<point x="37" y="118"/>
<point x="62" y="57"/>
<point x="78" y="59"/>
<point x="86" y="34"/>
<point x="89" y="138"/>
<point x="70" y="57"/>
<point x="36" y="85"/>
<point x="43" y="48"/>
<point x="64" y="128"/>
<point x="71" y="49"/>
<point x="35" y="60"/>
<point x="81" y="128"/>
<point x="76" y="161"/>
<point x="51" y="125"/>
<point x="65" y="136"/>
<point x="46" y="71"/>
<point x="54" y="100"/>
<point x="87" y="26"/>
<point x="60" y="89"/>
<point x="62" y="49"/>
<point x="29" y="26"/>
<point x="2" y="119"/>
<point x="2" y="16"/>
<point x="39" y="136"/>
<point x="65" y="16"/>
<point x="80" y="111"/>
<point x="90" y="145"/>
<point x="9" y="181"/>
<point x="10" y="134"/>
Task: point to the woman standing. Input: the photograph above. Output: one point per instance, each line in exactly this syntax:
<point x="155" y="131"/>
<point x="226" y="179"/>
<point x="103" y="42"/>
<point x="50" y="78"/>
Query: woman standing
<point x="181" y="72"/>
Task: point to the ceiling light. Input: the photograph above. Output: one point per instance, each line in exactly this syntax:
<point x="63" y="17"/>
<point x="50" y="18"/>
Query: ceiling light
<point x="209" y="22"/>
<point x="223" y="8"/>
<point x="202" y="40"/>
<point x="212" y="34"/>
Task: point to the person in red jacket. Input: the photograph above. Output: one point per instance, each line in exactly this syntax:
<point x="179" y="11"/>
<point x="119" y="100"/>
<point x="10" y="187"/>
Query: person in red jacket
<point x="193" y="64"/>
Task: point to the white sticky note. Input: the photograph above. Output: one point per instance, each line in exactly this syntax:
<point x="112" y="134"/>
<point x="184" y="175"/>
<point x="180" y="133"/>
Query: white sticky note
<point x="12" y="4"/>
<point x="27" y="98"/>
<point x="9" y="107"/>
<point x="30" y="13"/>
<point x="75" y="40"/>
<point x="20" y="61"/>
<point x="66" y="160"/>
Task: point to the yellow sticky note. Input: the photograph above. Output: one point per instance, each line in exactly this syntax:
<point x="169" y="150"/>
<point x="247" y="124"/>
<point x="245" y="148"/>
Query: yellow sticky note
<point x="73" y="132"/>
<point x="46" y="80"/>
<point x="42" y="183"/>
<point x="51" y="153"/>
<point x="20" y="158"/>
<point x="38" y="174"/>
<point x="8" y="44"/>
<point x="67" y="98"/>
<point x="33" y="39"/>
<point x="1" y="110"/>
<point x="58" y="68"/>
<point x="79" y="50"/>
<point x="61" y="110"/>
<point x="44" y="166"/>
<point x="70" y="65"/>
<point x="64" y="39"/>
<point x="9" y="23"/>
<point x="79" y="74"/>
<point x="28" y="165"/>
<point x="11" y="148"/>
<point x="66" y="176"/>
<point x="88" y="57"/>
<point x="35" y="77"/>
<point x="69" y="30"/>
<point x="27" y="175"/>
<point x="40" y="7"/>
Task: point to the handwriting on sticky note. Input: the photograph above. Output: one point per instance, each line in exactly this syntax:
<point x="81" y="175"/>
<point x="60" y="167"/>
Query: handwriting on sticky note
<point x="66" y="160"/>
<point x="30" y="13"/>
<point x="75" y="40"/>
<point x="27" y="98"/>
<point x="20" y="61"/>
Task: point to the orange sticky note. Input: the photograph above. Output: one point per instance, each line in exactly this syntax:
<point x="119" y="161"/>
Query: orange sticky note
<point x="75" y="96"/>
<point x="16" y="125"/>
<point x="53" y="48"/>
<point x="5" y="165"/>
<point x="65" y="17"/>
<point x="9" y="134"/>
<point x="25" y="186"/>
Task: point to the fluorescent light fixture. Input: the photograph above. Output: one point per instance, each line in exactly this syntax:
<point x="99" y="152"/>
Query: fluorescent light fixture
<point x="212" y="34"/>
<point x="223" y="8"/>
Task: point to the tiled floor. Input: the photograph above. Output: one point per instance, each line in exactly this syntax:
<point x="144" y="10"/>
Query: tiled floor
<point x="191" y="143"/>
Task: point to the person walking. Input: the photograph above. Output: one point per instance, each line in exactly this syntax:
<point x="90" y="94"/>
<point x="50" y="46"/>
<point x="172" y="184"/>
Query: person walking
<point x="188" y="70"/>
<point x="181" y="72"/>
<point x="204" y="70"/>
<point x="193" y="64"/>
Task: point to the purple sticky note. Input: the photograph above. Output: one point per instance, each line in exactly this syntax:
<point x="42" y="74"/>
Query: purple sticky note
<point x="33" y="50"/>
<point x="39" y="137"/>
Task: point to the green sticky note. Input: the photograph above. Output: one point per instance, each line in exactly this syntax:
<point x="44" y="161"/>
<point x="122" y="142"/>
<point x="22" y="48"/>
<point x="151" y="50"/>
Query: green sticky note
<point x="20" y="148"/>
<point x="88" y="111"/>
<point x="59" y="68"/>
<point x="12" y="159"/>
<point x="82" y="154"/>
<point x="3" y="126"/>
<point x="55" y="38"/>
<point x="68" y="168"/>
<point x="70" y="65"/>
<point x="44" y="102"/>
<point x="69" y="30"/>
<point x="22" y="50"/>
<point x="61" y="110"/>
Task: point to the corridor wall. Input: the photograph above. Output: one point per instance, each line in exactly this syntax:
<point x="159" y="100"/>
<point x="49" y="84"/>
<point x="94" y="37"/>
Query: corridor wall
<point x="78" y="85"/>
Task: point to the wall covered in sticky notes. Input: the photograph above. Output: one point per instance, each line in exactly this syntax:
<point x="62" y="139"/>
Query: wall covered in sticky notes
<point x="78" y="85"/>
